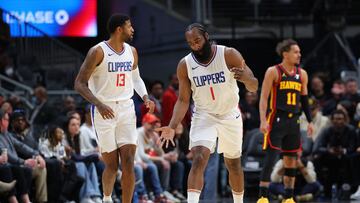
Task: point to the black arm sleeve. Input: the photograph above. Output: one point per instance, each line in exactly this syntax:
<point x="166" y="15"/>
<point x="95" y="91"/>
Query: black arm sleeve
<point x="305" y="107"/>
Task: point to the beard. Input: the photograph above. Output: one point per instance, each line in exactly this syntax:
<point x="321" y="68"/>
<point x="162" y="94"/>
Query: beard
<point x="204" y="53"/>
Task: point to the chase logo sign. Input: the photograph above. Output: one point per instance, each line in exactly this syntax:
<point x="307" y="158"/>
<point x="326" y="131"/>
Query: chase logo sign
<point x="53" y="17"/>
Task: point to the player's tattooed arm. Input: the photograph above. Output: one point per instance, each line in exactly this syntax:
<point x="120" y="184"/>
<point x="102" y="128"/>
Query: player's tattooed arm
<point x="93" y="58"/>
<point x="236" y="64"/>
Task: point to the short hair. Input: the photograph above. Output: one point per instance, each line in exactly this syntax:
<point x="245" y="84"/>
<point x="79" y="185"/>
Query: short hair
<point x="155" y="82"/>
<point x="338" y="111"/>
<point x="284" y="46"/>
<point x="198" y="26"/>
<point x="115" y="21"/>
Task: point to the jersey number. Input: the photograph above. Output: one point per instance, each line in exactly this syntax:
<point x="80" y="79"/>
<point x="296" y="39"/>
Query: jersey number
<point x="120" y="80"/>
<point x="291" y="99"/>
<point x="212" y="93"/>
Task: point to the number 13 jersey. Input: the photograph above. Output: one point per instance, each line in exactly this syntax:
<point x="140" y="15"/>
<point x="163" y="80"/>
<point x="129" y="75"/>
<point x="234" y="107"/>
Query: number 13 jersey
<point x="112" y="78"/>
<point x="214" y="89"/>
<point x="285" y="94"/>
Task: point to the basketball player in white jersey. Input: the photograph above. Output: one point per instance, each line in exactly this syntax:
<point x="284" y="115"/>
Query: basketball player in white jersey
<point x="209" y="74"/>
<point x="107" y="79"/>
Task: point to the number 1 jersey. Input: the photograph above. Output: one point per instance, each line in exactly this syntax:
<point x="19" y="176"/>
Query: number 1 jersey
<point x="214" y="89"/>
<point x="112" y="78"/>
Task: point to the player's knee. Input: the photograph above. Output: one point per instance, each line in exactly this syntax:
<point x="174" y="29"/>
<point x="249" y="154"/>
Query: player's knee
<point x="233" y="165"/>
<point x="199" y="162"/>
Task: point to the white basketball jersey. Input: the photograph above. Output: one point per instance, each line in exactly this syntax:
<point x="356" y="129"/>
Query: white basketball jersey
<point x="112" y="78"/>
<point x="214" y="89"/>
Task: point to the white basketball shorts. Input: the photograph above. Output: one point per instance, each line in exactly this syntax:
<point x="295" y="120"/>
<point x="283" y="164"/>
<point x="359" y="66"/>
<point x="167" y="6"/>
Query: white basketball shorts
<point x="228" y="129"/>
<point x="119" y="131"/>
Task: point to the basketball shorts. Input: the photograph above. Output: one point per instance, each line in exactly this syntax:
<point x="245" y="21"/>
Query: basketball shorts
<point x="226" y="129"/>
<point x="119" y="131"/>
<point x="285" y="132"/>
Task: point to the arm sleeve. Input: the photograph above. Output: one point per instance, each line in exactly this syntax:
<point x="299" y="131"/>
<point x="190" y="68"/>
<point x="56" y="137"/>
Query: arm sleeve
<point x="305" y="107"/>
<point x="139" y="84"/>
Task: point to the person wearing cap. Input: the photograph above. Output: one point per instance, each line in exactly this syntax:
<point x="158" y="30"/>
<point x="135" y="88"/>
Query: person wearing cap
<point x="319" y="120"/>
<point x="152" y="153"/>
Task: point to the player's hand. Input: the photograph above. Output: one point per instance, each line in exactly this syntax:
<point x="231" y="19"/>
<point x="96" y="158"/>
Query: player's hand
<point x="150" y="105"/>
<point x="264" y="127"/>
<point x="105" y="111"/>
<point x="167" y="135"/>
<point x="310" y="129"/>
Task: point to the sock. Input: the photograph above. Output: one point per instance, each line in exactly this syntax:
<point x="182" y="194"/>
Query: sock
<point x="107" y="198"/>
<point x="264" y="191"/>
<point x="193" y="196"/>
<point x="289" y="193"/>
<point x="238" y="196"/>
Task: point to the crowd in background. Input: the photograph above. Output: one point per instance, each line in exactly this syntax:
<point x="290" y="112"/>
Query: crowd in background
<point x="50" y="153"/>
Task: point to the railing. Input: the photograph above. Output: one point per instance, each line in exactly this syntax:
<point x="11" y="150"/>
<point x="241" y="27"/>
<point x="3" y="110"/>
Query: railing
<point x="54" y="57"/>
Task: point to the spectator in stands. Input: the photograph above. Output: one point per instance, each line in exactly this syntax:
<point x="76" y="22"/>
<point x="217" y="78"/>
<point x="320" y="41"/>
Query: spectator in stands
<point x="90" y="190"/>
<point x="143" y="164"/>
<point x="147" y="141"/>
<point x="21" y="129"/>
<point x="337" y="91"/>
<point x="43" y="113"/>
<point x="250" y="111"/>
<point x="169" y="99"/>
<point x="317" y="90"/>
<point x="352" y="96"/>
<point x="33" y="162"/>
<point x="334" y="148"/>
<point x="155" y="94"/>
<point x="320" y="121"/>
<point x="88" y="140"/>
<point x="24" y="132"/>
<point x="306" y="186"/>
<point x="7" y="179"/>
<point x="7" y="107"/>
<point x="53" y="148"/>
<point x="351" y="90"/>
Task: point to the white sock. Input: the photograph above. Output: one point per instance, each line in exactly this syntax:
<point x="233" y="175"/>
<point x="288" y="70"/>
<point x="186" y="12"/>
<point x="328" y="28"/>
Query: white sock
<point x="193" y="196"/>
<point x="107" y="198"/>
<point x="238" y="196"/>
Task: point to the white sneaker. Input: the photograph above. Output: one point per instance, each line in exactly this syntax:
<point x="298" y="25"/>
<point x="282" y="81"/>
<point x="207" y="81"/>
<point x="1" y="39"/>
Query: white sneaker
<point x="356" y="195"/>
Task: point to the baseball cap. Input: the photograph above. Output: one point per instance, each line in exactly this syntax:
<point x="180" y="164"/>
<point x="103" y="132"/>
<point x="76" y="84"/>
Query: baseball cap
<point x="17" y="113"/>
<point x="313" y="103"/>
<point x="150" y="118"/>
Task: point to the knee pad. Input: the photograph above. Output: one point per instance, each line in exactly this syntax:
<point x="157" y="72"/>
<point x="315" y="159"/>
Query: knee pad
<point x="291" y="172"/>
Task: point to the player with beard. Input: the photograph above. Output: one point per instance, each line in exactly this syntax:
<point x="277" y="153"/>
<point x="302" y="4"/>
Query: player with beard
<point x="107" y="79"/>
<point x="286" y="83"/>
<point x="209" y="75"/>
